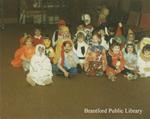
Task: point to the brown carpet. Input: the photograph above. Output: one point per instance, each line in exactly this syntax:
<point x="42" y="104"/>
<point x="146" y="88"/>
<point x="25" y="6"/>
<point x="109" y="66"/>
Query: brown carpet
<point x="64" y="99"/>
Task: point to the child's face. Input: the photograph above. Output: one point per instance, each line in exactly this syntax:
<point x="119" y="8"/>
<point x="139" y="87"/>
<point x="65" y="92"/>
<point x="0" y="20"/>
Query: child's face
<point x="147" y="54"/>
<point x="67" y="48"/>
<point x="47" y="43"/>
<point x="130" y="49"/>
<point x="116" y="49"/>
<point x="37" y="32"/>
<point x="95" y="39"/>
<point x="102" y="32"/>
<point x="29" y="42"/>
<point x="80" y="39"/>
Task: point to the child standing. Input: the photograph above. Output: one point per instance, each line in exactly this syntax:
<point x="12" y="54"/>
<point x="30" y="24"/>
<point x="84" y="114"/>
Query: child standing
<point x="63" y="36"/>
<point x="38" y="39"/>
<point x="57" y="32"/>
<point x="48" y="49"/>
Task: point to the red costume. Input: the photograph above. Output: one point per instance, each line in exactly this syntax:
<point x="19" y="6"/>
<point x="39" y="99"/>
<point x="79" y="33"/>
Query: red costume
<point x="115" y="62"/>
<point x="37" y="40"/>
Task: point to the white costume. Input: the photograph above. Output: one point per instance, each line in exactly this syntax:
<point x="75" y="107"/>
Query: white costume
<point x="142" y="65"/>
<point x="40" y="67"/>
<point x="54" y="38"/>
<point x="104" y="43"/>
<point x="80" y="49"/>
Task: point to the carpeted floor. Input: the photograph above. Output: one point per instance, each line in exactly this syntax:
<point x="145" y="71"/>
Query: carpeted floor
<point x="65" y="99"/>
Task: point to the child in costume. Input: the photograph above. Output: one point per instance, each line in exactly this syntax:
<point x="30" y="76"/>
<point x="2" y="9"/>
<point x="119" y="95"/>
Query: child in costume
<point x="24" y="54"/>
<point x="40" y="68"/>
<point x="130" y="36"/>
<point x="88" y="28"/>
<point x="57" y="32"/>
<point x="68" y="61"/>
<point x="101" y="31"/>
<point x="63" y="36"/>
<point x="144" y="58"/>
<point x="103" y="14"/>
<point x="48" y="49"/>
<point x="80" y="28"/>
<point x="80" y="48"/>
<point x="130" y="57"/>
<point x="38" y="39"/>
<point x="115" y="61"/>
<point x="95" y="57"/>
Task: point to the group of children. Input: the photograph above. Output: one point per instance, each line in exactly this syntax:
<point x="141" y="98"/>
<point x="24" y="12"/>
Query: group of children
<point x="94" y="51"/>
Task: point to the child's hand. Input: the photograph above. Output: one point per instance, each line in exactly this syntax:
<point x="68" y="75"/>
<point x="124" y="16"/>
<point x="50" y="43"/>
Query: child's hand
<point x="66" y="74"/>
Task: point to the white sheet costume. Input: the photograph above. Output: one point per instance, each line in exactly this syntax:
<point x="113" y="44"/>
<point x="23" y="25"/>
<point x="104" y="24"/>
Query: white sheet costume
<point x="80" y="49"/>
<point x="40" y="68"/>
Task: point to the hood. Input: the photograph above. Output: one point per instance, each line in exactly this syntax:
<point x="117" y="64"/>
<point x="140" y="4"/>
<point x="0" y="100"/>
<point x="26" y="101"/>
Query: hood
<point x="40" y="49"/>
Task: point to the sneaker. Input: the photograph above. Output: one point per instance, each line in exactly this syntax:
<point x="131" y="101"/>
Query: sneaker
<point x="112" y="78"/>
<point x="130" y="76"/>
<point x="135" y="76"/>
<point x="99" y="74"/>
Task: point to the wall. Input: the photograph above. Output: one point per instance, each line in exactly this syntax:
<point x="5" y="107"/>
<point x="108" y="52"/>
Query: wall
<point x="76" y="8"/>
<point x="10" y="11"/>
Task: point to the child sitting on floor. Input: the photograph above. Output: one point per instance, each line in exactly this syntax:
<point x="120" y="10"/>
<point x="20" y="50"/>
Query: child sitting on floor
<point x="24" y="54"/>
<point x="95" y="57"/>
<point x="40" y="68"/>
<point x="130" y="57"/>
<point x="115" y="61"/>
<point x="80" y="48"/>
<point x="144" y="61"/>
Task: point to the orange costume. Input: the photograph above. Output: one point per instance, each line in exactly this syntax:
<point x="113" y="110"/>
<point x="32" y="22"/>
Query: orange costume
<point x="23" y="53"/>
<point x="115" y="62"/>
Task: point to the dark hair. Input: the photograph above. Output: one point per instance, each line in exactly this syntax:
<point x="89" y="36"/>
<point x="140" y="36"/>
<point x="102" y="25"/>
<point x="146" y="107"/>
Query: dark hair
<point x="114" y="43"/>
<point x="146" y="48"/>
<point x="96" y="34"/>
<point x="80" y="35"/>
<point x="130" y="44"/>
<point x="67" y="42"/>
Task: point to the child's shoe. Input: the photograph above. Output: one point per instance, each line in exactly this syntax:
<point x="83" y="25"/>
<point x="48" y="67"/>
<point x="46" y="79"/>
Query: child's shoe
<point x="112" y="78"/>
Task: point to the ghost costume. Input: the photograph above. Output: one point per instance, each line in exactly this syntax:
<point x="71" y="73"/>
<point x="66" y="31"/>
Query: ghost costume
<point x="40" y="68"/>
